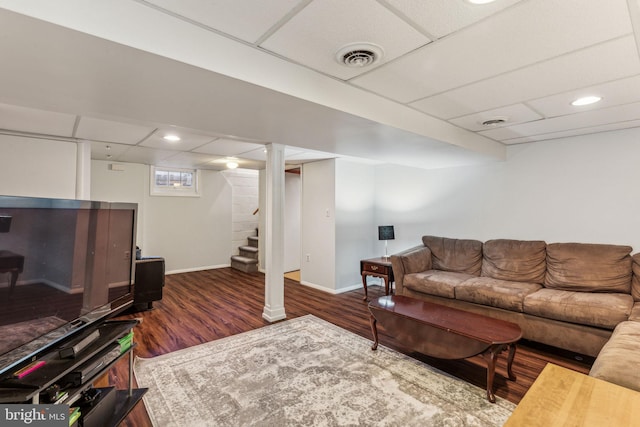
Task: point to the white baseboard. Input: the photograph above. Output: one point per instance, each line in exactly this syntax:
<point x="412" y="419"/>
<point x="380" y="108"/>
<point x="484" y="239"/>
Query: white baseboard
<point x="190" y="270"/>
<point x="334" y="291"/>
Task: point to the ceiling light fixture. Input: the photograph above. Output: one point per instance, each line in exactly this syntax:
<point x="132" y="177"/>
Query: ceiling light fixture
<point x="171" y="138"/>
<point x="358" y="55"/>
<point x="586" y="100"/>
<point x="480" y="1"/>
<point x="232" y="162"/>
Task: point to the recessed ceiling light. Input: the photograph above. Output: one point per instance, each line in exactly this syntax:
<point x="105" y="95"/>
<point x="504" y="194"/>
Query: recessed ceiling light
<point x="171" y="138"/>
<point x="480" y="1"/>
<point x="586" y="100"/>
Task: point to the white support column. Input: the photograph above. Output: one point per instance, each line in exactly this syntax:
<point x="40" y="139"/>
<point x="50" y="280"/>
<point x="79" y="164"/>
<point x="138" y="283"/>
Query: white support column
<point x="83" y="170"/>
<point x="274" y="235"/>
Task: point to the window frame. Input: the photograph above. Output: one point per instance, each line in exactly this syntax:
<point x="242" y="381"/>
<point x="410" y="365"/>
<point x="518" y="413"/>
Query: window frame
<point x="171" y="190"/>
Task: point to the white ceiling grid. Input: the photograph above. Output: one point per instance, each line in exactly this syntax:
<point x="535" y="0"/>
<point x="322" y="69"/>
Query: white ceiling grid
<point x="448" y="60"/>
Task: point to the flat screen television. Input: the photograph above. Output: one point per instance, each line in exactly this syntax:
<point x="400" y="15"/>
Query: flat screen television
<point x="64" y="265"/>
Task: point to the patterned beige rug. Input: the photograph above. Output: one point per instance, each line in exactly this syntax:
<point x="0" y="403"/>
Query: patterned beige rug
<point x="306" y="372"/>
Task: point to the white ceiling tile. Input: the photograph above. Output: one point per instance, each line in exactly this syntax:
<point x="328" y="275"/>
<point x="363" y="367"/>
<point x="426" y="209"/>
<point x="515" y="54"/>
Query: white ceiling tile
<point x="187" y="160"/>
<point x="574" y="132"/>
<point x="310" y="155"/>
<point x="315" y="34"/>
<point x="442" y="17"/>
<point x="110" y="131"/>
<point x="261" y="153"/>
<point x="618" y="92"/>
<point x="582" y="120"/>
<point x="32" y="120"/>
<point x="519" y="36"/>
<point x="247" y="20"/>
<point x="228" y="147"/>
<point x="512" y="114"/>
<point x="600" y="63"/>
<point x="107" y="150"/>
<point x="258" y="154"/>
<point x="188" y="141"/>
<point x="144" y="155"/>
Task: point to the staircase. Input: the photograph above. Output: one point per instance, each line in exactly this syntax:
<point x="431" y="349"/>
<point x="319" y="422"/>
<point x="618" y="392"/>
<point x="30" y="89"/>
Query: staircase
<point x="247" y="261"/>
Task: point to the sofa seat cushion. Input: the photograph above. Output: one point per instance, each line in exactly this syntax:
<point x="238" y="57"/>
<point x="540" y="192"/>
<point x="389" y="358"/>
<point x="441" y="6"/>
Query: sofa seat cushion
<point x="495" y="293"/>
<point x="588" y="267"/>
<point x="619" y="359"/>
<point x="435" y="282"/>
<point x="593" y="309"/>
<point x="457" y="255"/>
<point x="515" y="260"/>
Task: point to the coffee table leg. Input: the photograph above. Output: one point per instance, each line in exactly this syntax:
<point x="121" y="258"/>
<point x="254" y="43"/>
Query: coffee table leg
<point x="512" y="353"/>
<point x="491" y="356"/>
<point x="374" y="329"/>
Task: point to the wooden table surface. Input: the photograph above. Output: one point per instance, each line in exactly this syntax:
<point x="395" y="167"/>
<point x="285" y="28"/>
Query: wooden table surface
<point x="561" y="397"/>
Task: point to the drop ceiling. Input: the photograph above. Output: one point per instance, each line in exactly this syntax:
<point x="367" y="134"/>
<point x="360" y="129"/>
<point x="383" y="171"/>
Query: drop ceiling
<point x="232" y="76"/>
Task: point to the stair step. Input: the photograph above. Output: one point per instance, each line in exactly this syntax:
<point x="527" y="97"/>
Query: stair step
<point x="252" y="249"/>
<point x="248" y="265"/>
<point x="253" y="241"/>
<point x="244" y="259"/>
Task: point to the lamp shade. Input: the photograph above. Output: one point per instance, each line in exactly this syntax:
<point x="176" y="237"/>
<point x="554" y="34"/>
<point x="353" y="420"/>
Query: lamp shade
<point x="385" y="232"/>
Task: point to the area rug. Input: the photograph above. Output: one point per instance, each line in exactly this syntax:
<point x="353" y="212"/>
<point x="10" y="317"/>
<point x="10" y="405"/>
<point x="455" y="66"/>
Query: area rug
<point x="306" y="372"/>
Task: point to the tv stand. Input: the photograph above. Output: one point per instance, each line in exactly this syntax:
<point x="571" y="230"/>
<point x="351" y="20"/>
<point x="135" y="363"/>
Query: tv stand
<point x="69" y="380"/>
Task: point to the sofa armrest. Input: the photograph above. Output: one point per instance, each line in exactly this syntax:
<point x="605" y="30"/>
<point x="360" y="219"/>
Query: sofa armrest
<point x="413" y="260"/>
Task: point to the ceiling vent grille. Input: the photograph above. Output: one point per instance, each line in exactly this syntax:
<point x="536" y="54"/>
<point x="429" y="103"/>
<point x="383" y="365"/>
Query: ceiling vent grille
<point x="359" y="55"/>
<point x="495" y="121"/>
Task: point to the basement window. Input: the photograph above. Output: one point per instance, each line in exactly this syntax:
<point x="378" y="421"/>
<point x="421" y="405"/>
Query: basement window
<point x="174" y="182"/>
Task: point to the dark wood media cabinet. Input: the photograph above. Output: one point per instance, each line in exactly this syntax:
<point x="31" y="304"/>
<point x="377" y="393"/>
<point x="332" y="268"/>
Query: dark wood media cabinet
<point x="90" y="364"/>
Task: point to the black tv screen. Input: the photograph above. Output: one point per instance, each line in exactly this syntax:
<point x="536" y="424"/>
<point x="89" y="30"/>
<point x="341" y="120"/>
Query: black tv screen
<point x="64" y="264"/>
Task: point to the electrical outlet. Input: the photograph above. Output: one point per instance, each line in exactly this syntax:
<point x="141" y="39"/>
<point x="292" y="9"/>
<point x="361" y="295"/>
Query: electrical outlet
<point x="127" y="255"/>
<point x="308" y="257"/>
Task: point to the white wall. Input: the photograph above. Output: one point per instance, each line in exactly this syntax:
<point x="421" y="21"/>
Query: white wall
<point x="292" y="201"/>
<point x="318" y="225"/>
<point x="244" y="195"/>
<point x="37" y="167"/>
<point x="581" y="189"/>
<point x="191" y="233"/>
<point x="356" y="230"/>
<point x="130" y="185"/>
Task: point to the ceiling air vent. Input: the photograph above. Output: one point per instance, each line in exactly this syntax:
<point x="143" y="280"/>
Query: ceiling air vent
<point x="359" y="55"/>
<point x="495" y="121"/>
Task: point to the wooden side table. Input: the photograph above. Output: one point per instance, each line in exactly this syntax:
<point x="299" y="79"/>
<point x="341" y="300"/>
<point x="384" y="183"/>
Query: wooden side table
<point x="377" y="267"/>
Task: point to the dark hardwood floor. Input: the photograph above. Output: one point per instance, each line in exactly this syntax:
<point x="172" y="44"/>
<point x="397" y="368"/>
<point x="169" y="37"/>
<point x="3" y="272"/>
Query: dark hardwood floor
<point x="207" y="305"/>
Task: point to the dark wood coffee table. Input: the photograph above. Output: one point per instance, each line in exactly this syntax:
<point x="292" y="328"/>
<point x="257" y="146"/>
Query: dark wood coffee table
<point x="445" y="332"/>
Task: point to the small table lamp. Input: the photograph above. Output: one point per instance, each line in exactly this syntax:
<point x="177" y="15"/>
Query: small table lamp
<point x="385" y="232"/>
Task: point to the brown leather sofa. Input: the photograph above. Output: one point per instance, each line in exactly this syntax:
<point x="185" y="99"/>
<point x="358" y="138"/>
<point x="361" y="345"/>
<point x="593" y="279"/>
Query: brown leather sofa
<point x="569" y="295"/>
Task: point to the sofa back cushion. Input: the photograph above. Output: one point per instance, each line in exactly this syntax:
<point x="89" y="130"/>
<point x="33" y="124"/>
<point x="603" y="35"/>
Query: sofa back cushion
<point x="457" y="255"/>
<point x="588" y="267"/>
<point x="635" y="281"/>
<point x="515" y="260"/>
